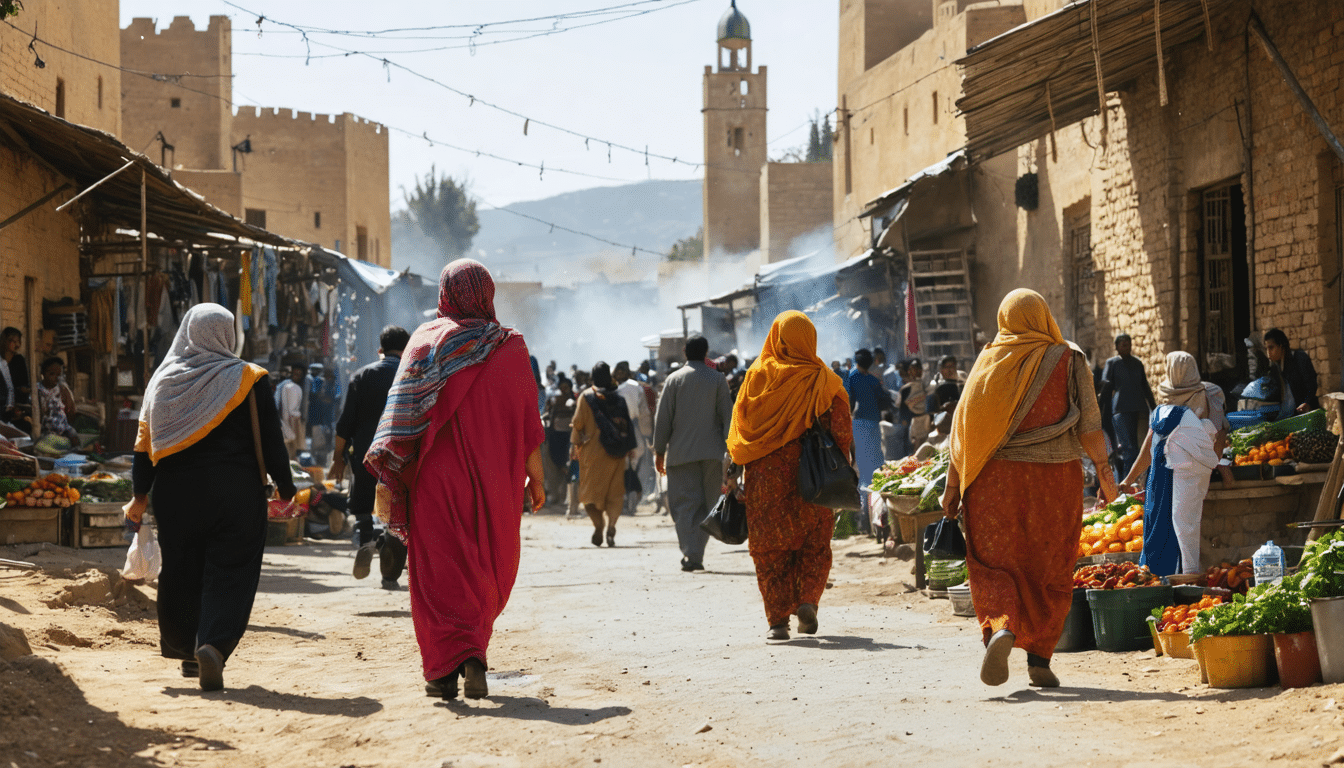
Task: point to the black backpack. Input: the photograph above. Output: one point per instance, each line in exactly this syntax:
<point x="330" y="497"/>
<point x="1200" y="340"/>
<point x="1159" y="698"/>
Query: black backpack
<point x="614" y="429"/>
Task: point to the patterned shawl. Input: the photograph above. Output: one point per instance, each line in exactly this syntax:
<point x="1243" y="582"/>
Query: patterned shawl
<point x="199" y="383"/>
<point x="465" y="333"/>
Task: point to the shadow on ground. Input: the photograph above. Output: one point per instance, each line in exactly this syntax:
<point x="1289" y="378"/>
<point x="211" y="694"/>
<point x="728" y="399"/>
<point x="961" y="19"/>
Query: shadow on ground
<point x="38" y="692"/>
<point x="264" y="698"/>
<point x="529" y="708"/>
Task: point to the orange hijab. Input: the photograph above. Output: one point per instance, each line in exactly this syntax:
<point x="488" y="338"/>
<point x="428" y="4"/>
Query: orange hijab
<point x="785" y="390"/>
<point x="999" y="381"/>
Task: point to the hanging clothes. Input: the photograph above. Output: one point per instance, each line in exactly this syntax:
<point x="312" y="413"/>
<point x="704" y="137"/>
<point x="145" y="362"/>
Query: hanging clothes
<point x="272" y="275"/>
<point x="102" y="318"/>
<point x="245" y="289"/>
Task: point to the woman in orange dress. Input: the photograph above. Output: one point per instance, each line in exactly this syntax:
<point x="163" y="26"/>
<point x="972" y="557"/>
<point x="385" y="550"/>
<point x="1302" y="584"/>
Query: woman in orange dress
<point x="785" y="390"/>
<point x="1027" y="415"/>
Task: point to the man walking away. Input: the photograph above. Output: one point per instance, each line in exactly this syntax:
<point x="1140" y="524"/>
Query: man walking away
<point x="690" y="437"/>
<point x="364" y="402"/>
<point x="638" y="405"/>
<point x="289" y="402"/>
<point x="321" y="410"/>
<point x="1125" y="383"/>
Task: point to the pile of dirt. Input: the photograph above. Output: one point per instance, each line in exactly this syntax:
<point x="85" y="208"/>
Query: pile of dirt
<point x="103" y="587"/>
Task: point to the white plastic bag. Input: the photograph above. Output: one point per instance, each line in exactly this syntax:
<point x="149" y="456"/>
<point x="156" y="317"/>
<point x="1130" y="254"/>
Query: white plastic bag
<point x="143" y="559"/>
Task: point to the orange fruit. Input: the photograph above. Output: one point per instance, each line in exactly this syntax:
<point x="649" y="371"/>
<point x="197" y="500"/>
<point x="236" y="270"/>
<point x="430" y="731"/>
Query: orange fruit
<point x="1123" y="533"/>
<point x="1136" y="528"/>
<point x="1098" y="548"/>
<point x="1115" y="546"/>
<point x="1134" y="545"/>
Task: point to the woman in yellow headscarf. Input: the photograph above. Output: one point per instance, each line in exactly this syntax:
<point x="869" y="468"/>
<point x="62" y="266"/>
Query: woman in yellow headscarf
<point x="786" y="389"/>
<point x="1026" y="417"/>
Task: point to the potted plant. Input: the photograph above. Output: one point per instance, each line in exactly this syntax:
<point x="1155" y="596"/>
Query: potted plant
<point x="1230" y="650"/>
<point x="1320" y="580"/>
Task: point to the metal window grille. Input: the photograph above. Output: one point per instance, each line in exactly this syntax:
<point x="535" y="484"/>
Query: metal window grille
<point x="1219" y="306"/>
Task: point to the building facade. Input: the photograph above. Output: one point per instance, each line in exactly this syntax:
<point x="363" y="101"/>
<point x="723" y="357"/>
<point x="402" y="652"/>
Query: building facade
<point x="316" y="178"/>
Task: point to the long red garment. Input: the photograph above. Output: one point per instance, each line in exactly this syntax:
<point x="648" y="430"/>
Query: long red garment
<point x="1023" y="520"/>
<point x="790" y="540"/>
<point x="466" y="506"/>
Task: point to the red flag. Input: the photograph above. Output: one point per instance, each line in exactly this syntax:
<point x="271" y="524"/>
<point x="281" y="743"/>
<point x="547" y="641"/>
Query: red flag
<point x="911" y="323"/>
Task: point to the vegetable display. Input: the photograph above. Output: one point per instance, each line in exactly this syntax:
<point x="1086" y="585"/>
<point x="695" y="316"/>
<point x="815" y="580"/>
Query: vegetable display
<point x="1228" y="576"/>
<point x="103" y="486"/>
<point x="1301" y="438"/>
<point x="51" y="491"/>
<point x="1178" y="618"/>
<point x="1122" y="534"/>
<point x="1114" y="576"/>
<point x="890" y="475"/>
<point x="1283" y="608"/>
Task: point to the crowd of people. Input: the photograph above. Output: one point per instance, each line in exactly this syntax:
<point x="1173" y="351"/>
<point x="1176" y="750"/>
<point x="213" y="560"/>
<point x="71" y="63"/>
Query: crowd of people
<point x="455" y="432"/>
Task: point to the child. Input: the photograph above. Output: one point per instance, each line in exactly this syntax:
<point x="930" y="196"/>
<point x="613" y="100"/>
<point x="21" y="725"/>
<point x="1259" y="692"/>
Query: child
<point x="56" y="400"/>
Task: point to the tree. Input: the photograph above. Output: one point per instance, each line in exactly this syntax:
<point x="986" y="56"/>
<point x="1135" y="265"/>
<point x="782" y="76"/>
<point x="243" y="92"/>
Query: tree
<point x="688" y="248"/>
<point x="827" y="139"/>
<point x="442" y="209"/>
<point x="813" y="144"/>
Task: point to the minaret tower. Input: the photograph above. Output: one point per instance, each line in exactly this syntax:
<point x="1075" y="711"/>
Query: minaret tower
<point x="735" y="144"/>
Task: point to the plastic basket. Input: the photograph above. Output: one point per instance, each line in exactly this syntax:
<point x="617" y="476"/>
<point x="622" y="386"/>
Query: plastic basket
<point x="1243" y="419"/>
<point x="1176" y="645"/>
<point x="1078" y="634"/>
<point x="1120" y="616"/>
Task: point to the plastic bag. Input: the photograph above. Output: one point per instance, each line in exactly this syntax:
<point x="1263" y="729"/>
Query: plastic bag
<point x="143" y="559"/>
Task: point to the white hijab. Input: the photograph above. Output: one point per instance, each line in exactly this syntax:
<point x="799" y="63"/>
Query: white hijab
<point x="199" y="383"/>
<point x="1182" y="386"/>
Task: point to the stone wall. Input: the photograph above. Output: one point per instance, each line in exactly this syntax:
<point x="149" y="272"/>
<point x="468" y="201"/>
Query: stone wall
<point x="898" y="116"/>
<point x="222" y="189"/>
<point x="795" y="201"/>
<point x="91" y="85"/>
<point x="39" y="254"/>
<point x="193" y="106"/>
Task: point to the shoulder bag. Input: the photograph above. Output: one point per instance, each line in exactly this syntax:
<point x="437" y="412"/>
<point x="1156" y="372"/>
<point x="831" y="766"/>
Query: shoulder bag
<point x="727" y="522"/>
<point x="267" y="488"/>
<point x="944" y="540"/>
<point x="825" y="476"/>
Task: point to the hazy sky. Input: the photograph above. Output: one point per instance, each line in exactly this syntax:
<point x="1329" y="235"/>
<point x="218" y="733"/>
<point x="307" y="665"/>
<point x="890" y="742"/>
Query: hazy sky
<point x="633" y="81"/>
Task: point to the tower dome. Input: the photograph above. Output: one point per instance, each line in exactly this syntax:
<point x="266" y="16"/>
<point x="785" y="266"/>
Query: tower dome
<point x="734" y="30"/>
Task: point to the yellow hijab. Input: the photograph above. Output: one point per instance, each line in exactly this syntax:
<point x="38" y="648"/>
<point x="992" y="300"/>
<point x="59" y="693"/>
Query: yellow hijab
<point x="785" y="390"/>
<point x="1000" y="380"/>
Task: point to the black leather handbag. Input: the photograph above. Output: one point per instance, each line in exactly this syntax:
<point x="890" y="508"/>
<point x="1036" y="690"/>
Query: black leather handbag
<point x="943" y="540"/>
<point x="825" y="476"/>
<point x="727" y="522"/>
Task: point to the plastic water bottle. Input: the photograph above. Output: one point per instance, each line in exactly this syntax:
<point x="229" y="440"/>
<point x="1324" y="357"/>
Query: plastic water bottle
<point x="1268" y="563"/>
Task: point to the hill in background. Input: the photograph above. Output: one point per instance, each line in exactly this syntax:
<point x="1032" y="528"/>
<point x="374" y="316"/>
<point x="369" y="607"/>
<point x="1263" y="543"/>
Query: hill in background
<point x="652" y="215"/>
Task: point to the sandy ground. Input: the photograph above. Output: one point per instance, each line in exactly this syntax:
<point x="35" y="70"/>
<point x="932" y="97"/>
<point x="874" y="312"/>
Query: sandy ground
<point x="604" y="656"/>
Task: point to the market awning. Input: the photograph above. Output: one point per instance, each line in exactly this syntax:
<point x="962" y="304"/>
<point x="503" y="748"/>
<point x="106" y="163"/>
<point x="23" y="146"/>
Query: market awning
<point x="1042" y="76"/>
<point x="938" y="194"/>
<point x="85" y="156"/>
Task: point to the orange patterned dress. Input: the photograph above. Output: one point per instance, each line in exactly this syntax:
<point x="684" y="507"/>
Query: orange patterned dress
<point x="1023" y="520"/>
<point x="790" y="540"/>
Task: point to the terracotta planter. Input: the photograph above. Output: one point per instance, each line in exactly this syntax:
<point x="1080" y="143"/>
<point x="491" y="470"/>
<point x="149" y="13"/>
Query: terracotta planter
<point x="1299" y="663"/>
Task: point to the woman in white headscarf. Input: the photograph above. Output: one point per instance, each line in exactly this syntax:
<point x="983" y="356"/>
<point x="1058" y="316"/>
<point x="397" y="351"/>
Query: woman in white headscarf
<point x="205" y="417"/>
<point x="1191" y="426"/>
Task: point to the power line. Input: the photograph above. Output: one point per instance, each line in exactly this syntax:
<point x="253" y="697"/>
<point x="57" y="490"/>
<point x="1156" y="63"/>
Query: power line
<point x="483" y="25"/>
<point x="388" y="65"/>
<point x="633" y="248"/>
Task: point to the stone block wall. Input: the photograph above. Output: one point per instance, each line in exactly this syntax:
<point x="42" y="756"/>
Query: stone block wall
<point x="191" y="106"/>
<point x="795" y="201"/>
<point x="91" y="86"/>
<point x="39" y="254"/>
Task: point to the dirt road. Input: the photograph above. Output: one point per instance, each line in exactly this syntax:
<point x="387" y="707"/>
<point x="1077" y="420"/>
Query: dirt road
<point x="604" y="656"/>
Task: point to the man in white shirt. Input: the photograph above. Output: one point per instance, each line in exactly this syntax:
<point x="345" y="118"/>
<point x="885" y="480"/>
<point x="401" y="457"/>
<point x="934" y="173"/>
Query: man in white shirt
<point x="638" y="406"/>
<point x="289" y="402"/>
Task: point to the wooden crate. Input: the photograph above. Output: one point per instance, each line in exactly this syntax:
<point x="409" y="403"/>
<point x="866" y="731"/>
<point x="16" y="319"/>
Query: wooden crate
<point x="30" y="525"/>
<point x="99" y="524"/>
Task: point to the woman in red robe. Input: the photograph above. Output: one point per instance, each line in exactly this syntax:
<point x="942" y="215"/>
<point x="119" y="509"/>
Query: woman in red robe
<point x="458" y="445"/>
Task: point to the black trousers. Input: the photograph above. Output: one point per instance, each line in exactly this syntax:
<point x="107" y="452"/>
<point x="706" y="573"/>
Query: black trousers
<point x="212" y="531"/>
<point x="362" y="487"/>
